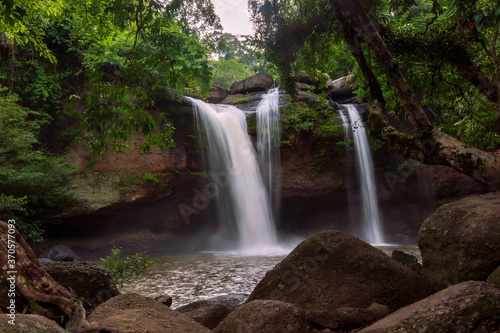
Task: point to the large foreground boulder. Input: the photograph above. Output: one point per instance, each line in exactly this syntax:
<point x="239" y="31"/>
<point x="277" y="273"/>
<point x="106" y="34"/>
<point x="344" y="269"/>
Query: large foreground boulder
<point x="460" y="241"/>
<point x="466" y="307"/>
<point x="332" y="270"/>
<point x="86" y="280"/>
<point x="265" y="317"/>
<point x="29" y="323"/>
<point x="257" y="82"/>
<point x="209" y="313"/>
<point x="132" y="313"/>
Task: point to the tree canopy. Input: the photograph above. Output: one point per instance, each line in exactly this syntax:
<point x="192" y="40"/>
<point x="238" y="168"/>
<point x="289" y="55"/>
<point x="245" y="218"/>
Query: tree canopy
<point x="124" y="52"/>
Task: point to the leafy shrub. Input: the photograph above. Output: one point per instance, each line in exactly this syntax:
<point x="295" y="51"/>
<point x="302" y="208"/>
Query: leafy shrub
<point x="122" y="270"/>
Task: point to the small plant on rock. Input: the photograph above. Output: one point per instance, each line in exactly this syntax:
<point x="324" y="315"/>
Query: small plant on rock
<point x="123" y="270"/>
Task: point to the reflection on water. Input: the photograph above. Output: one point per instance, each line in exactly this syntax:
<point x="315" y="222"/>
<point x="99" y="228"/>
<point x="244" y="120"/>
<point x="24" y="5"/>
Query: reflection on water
<point x="192" y="277"/>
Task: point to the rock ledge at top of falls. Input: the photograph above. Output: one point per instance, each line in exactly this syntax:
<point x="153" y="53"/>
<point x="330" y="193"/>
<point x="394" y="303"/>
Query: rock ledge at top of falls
<point x="459" y="242"/>
<point x="332" y="269"/>
<point x="255" y="83"/>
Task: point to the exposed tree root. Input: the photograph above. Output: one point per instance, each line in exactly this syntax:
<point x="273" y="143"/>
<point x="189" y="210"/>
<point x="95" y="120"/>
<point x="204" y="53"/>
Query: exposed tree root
<point x="38" y="292"/>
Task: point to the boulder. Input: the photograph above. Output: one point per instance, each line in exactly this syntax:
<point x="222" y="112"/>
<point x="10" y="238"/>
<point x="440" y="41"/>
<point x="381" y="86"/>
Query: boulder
<point x="340" y="90"/>
<point x="61" y="253"/>
<point x="265" y="317"/>
<point x="333" y="269"/>
<point x="164" y="299"/>
<point x="459" y="242"/>
<point x="348" y="318"/>
<point x="132" y="313"/>
<point x="307" y="98"/>
<point x="231" y="301"/>
<point x="494" y="277"/>
<point x="217" y="94"/>
<point x="466" y="307"/>
<point x="29" y="323"/>
<point x="86" y="280"/>
<point x="407" y="259"/>
<point x="255" y="83"/>
<point x="209" y="313"/>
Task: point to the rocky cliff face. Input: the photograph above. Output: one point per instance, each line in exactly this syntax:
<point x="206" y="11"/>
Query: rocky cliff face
<point x="319" y="183"/>
<point x="156" y="200"/>
<point x="134" y="200"/>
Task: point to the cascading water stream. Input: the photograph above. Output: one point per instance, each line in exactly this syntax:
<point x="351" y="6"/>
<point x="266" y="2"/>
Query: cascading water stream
<point x="268" y="134"/>
<point x="371" y="216"/>
<point x="231" y="160"/>
<point x="349" y="174"/>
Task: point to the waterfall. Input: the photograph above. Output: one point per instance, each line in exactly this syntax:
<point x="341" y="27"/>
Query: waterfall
<point x="372" y="226"/>
<point x="349" y="172"/>
<point x="268" y="134"/>
<point x="242" y="201"/>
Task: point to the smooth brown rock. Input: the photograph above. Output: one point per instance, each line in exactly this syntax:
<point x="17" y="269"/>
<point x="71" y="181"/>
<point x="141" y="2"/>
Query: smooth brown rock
<point x="206" y="312"/>
<point x="257" y="82"/>
<point x="86" y="280"/>
<point x="460" y="241"/>
<point x="466" y="307"/>
<point x="265" y="317"/>
<point x="331" y="270"/>
<point x="132" y="313"/>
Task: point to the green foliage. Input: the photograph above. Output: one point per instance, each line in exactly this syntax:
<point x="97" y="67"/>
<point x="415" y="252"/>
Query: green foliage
<point x="23" y="23"/>
<point x="151" y="178"/>
<point x="301" y="117"/>
<point x="298" y="117"/>
<point x="122" y="270"/>
<point x="226" y="72"/>
<point x="131" y="52"/>
<point x="34" y="184"/>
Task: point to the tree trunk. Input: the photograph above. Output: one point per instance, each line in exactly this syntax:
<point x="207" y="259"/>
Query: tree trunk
<point x="354" y="45"/>
<point x="37" y="291"/>
<point x="436" y="147"/>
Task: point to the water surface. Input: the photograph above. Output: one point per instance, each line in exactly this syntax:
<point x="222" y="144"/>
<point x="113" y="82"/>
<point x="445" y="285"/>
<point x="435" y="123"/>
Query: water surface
<point x="192" y="277"/>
